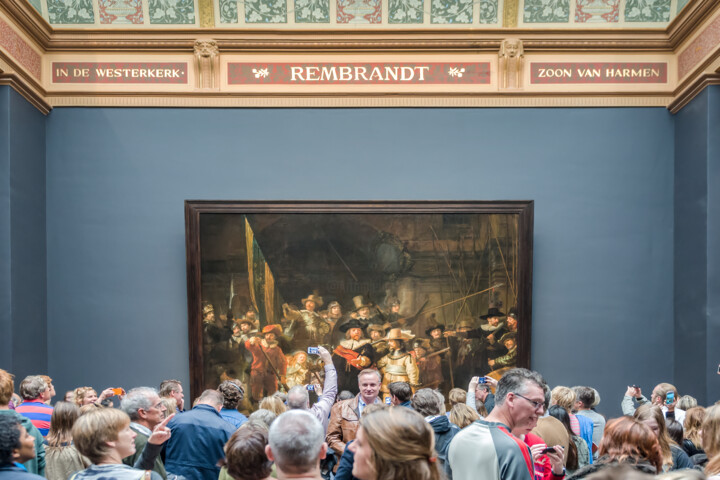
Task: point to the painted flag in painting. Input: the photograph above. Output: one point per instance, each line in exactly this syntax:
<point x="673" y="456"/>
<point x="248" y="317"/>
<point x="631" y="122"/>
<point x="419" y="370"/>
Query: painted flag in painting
<point x="263" y="293"/>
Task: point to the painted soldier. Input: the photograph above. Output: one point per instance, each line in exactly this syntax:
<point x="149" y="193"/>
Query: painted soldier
<point x="431" y="375"/>
<point x="376" y="333"/>
<point x="470" y="356"/>
<point x="398" y="365"/>
<point x="364" y="312"/>
<point x="509" y="360"/>
<point x="493" y="331"/>
<point x="333" y="314"/>
<point x="435" y="335"/>
<point x="308" y="328"/>
<point x="353" y="355"/>
<point x="511" y="322"/>
<point x="268" y="363"/>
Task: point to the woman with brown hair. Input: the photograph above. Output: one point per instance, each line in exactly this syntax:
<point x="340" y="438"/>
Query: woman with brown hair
<point x="711" y="441"/>
<point x="61" y="456"/>
<point x="245" y="457"/>
<point x="626" y="442"/>
<point x="395" y="443"/>
<point x="673" y="457"/>
<point x="692" y="441"/>
<point x="104" y="436"/>
<point x="462" y="415"/>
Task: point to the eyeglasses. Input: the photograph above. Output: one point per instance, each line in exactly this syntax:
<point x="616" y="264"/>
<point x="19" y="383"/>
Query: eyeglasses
<point x="535" y="404"/>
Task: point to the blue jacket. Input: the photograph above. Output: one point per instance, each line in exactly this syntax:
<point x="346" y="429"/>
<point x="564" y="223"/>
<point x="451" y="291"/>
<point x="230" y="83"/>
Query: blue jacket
<point x="586" y="432"/>
<point x="196" y="443"/>
<point x="11" y="472"/>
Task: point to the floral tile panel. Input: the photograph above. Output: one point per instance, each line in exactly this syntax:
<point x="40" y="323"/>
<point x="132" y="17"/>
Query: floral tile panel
<point x="488" y="11"/>
<point x="265" y="11"/>
<point x="597" y="11"/>
<point x="546" y="11"/>
<point x="405" y="11"/>
<point x="451" y="11"/>
<point x="70" y="12"/>
<point x="172" y="12"/>
<point x="121" y="11"/>
<point x="312" y="11"/>
<point x="647" y="10"/>
<point x="228" y="10"/>
<point x="36" y="5"/>
<point x="359" y="11"/>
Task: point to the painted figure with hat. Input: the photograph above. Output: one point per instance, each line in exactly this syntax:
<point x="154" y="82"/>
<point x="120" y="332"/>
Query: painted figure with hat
<point x="352" y="355"/>
<point x="269" y="363"/>
<point x="434" y="333"/>
<point x="511" y="321"/>
<point x="509" y="360"/>
<point x="398" y="365"/>
<point x="365" y="312"/>
<point x="377" y="334"/>
<point x="470" y="356"/>
<point x="488" y="333"/>
<point x="428" y="363"/>
<point x="333" y="314"/>
<point x="307" y="327"/>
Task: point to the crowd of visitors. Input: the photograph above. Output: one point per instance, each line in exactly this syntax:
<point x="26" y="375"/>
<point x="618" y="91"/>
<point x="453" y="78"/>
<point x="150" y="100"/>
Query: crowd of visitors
<point x="514" y="428"/>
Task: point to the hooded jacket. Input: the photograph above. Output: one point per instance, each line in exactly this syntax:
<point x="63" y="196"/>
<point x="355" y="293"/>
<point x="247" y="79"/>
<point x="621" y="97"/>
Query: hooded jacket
<point x="444" y="433"/>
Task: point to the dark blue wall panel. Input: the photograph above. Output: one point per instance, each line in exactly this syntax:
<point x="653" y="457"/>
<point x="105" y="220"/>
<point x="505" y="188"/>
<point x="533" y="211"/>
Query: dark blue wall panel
<point x="23" y="238"/>
<point x="713" y="244"/>
<point x="602" y="180"/>
<point x="690" y="293"/>
<point x="5" y="290"/>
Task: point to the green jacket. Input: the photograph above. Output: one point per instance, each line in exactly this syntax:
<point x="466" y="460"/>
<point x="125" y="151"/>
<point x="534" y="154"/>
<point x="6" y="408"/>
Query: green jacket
<point x="37" y="464"/>
<point x="140" y="442"/>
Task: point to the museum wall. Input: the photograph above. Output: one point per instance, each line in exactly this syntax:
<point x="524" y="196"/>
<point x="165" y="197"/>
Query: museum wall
<point x="23" y="286"/>
<point x="697" y="239"/>
<point x="601" y="179"/>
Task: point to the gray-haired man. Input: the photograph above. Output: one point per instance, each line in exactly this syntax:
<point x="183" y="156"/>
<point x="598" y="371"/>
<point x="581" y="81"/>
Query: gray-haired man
<point x="146" y="411"/>
<point x="298" y="397"/>
<point x="296" y="444"/>
<point x="488" y="449"/>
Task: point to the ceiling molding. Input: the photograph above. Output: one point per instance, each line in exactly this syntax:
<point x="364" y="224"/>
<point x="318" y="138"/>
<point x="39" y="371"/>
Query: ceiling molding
<point x="339" y="100"/>
<point x="20" y="85"/>
<point x="689" y="20"/>
<point x="692" y="90"/>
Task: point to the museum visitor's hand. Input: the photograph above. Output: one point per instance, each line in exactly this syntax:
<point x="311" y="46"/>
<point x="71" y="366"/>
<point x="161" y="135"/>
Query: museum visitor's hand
<point x="161" y="433"/>
<point x="325" y="355"/>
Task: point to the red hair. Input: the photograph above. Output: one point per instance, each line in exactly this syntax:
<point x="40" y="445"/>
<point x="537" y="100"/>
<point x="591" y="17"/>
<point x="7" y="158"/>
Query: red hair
<point x="626" y="439"/>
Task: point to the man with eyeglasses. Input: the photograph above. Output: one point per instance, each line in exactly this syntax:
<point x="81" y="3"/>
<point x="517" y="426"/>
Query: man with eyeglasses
<point x="146" y="412"/>
<point x="487" y="448"/>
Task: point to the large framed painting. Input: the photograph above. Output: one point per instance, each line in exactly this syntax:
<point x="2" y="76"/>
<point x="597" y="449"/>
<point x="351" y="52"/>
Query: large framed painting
<point x="431" y="293"/>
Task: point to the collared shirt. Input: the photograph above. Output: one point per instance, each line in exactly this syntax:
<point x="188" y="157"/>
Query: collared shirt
<point x="362" y="404"/>
<point x="141" y="428"/>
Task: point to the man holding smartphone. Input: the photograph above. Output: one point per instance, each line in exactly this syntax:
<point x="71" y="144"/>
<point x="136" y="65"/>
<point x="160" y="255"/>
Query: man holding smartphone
<point x="664" y="395"/>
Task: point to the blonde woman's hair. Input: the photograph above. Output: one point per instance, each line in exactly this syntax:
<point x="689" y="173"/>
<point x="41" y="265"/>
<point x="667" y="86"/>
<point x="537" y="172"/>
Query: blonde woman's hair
<point x="170" y="405"/>
<point x="273" y="403"/>
<point x="693" y="425"/>
<point x="563" y="397"/>
<point x="648" y="411"/>
<point x="711" y="439"/>
<point x="80" y="394"/>
<point x="456" y="395"/>
<point x="403" y="444"/>
<point x="95" y="429"/>
<point x="462" y="415"/>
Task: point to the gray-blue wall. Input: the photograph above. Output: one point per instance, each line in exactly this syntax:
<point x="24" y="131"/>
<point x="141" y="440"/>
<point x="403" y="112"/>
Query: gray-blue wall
<point x="697" y="244"/>
<point x="602" y="181"/>
<point x="23" y="283"/>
